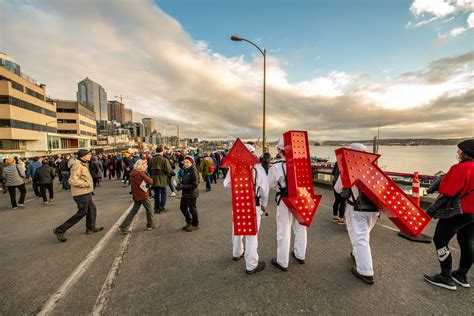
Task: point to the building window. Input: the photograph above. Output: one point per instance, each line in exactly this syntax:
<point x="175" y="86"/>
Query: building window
<point x="66" y="110"/>
<point x="66" y="131"/>
<point x="16" y="85"/>
<point x="5" y="99"/>
<point x="6" y="144"/>
<point x="83" y="143"/>
<point x="66" y="121"/>
<point x="27" y="126"/>
<point x="34" y="94"/>
<point x="53" y="143"/>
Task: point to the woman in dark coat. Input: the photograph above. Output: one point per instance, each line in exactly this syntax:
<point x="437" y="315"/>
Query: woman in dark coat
<point x="189" y="185"/>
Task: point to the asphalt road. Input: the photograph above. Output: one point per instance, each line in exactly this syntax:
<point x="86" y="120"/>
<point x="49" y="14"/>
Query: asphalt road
<point x="171" y="272"/>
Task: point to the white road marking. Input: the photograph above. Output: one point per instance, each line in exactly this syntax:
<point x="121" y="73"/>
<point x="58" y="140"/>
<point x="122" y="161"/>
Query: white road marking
<point x="103" y="298"/>
<point x="54" y="299"/>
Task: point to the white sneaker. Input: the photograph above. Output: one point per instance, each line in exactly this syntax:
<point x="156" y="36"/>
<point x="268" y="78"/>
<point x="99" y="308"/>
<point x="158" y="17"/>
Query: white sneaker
<point x="51" y="200"/>
<point x="173" y="194"/>
<point x="21" y="205"/>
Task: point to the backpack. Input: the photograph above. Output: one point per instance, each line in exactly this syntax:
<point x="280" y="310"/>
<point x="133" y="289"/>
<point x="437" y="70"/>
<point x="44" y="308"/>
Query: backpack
<point x="283" y="191"/>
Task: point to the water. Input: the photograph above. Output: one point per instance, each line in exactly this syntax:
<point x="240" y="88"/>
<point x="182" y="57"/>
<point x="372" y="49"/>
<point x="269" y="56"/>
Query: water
<point x="427" y="160"/>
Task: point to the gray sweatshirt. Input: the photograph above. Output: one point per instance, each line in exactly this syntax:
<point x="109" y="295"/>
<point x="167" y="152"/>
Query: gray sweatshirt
<point x="14" y="175"/>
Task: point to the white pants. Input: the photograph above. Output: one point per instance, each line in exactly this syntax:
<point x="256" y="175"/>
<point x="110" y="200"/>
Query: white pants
<point x="285" y="222"/>
<point x="359" y="225"/>
<point x="251" y="245"/>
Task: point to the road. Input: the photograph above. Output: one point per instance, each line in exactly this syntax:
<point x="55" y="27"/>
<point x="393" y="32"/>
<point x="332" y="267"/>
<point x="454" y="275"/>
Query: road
<point x="171" y="272"/>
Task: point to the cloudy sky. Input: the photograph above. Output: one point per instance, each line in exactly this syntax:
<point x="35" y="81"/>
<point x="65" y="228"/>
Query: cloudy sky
<point x="336" y="68"/>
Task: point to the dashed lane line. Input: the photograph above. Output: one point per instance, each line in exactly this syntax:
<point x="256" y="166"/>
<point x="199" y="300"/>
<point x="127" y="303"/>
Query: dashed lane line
<point x="54" y="299"/>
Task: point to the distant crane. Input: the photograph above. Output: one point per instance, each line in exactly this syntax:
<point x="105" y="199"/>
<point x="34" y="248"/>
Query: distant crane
<point x="121" y="97"/>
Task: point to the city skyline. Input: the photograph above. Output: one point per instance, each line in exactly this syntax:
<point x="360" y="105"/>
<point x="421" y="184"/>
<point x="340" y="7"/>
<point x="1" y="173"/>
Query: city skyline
<point x="407" y="69"/>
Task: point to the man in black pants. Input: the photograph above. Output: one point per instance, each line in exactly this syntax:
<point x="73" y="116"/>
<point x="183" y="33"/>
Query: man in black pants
<point x="81" y="189"/>
<point x="44" y="176"/>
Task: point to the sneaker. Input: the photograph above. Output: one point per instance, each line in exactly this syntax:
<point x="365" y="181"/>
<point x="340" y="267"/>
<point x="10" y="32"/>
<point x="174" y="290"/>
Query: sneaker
<point x="125" y="231"/>
<point x="51" y="200"/>
<point x="14" y="208"/>
<point x="94" y="230"/>
<point x="277" y="265"/>
<point x="300" y="261"/>
<point x="335" y="219"/>
<point x="173" y="194"/>
<point x="45" y="202"/>
<point x="441" y="281"/>
<point x="60" y="236"/>
<point x="192" y="228"/>
<point x="260" y="267"/>
<point x="239" y="257"/>
<point x="366" y="278"/>
<point x="460" y="279"/>
<point x="21" y="205"/>
<point x="185" y="227"/>
<point x="150" y="227"/>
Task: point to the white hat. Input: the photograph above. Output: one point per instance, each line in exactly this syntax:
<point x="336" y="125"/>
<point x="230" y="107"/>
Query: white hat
<point x="358" y="146"/>
<point x="281" y="144"/>
<point x="250" y="148"/>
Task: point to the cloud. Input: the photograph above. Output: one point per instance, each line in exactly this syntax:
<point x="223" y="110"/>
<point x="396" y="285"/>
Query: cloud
<point x="136" y="49"/>
<point x="428" y="11"/>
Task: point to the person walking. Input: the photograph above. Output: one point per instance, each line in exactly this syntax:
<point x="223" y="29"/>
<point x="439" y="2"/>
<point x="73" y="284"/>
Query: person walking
<point x="188" y="183"/>
<point x="207" y="169"/>
<point x="140" y="196"/>
<point x="65" y="172"/>
<point x="96" y="171"/>
<point x="286" y="222"/>
<point x="82" y="187"/>
<point x="458" y="182"/>
<point x="30" y="173"/>
<point x="250" y="252"/>
<point x="361" y="215"/>
<point x="160" y="168"/>
<point x="44" y="176"/>
<point x="339" y="205"/>
<point x="15" y="176"/>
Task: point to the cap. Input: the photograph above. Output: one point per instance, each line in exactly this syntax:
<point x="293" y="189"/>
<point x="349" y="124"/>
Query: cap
<point x="82" y="152"/>
<point x="358" y="146"/>
<point x="467" y="147"/>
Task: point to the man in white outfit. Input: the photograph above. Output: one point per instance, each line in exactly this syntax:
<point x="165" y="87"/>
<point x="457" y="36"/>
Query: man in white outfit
<point x="361" y="215"/>
<point x="284" y="218"/>
<point x="251" y="242"/>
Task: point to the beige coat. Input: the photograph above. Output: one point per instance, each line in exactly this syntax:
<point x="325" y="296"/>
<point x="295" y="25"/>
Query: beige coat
<point x="80" y="179"/>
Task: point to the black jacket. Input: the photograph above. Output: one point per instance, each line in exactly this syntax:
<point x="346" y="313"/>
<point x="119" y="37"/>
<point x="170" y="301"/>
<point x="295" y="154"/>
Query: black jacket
<point x="63" y="165"/>
<point x="189" y="183"/>
<point x="44" y="174"/>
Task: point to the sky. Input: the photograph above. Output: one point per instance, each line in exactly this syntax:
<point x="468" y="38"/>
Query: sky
<point x="338" y="69"/>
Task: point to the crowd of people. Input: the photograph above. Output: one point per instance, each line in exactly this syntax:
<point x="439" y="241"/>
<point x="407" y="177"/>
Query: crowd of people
<point x="149" y="175"/>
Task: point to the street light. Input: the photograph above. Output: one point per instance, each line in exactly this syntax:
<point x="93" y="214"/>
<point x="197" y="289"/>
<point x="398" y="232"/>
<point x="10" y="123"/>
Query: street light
<point x="237" y="38"/>
<point x="177" y="127"/>
<point x="47" y="135"/>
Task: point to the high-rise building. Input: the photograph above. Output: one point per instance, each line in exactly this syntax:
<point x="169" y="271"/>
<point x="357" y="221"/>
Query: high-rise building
<point x="148" y="125"/>
<point x="128" y="115"/>
<point x="116" y="111"/>
<point x="93" y="96"/>
<point x="27" y="120"/>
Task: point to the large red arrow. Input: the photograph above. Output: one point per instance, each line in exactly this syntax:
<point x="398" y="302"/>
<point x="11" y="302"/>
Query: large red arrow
<point x="240" y="161"/>
<point x="358" y="168"/>
<point x="301" y="200"/>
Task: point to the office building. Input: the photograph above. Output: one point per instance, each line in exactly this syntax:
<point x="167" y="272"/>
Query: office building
<point x="128" y="115"/>
<point x="27" y="120"/>
<point x="148" y="125"/>
<point x="116" y="111"/>
<point x="93" y="96"/>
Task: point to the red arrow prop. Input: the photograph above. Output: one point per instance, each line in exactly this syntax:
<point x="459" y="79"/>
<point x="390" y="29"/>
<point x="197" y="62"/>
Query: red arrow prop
<point x="358" y="168"/>
<point x="301" y="200"/>
<point x="240" y="160"/>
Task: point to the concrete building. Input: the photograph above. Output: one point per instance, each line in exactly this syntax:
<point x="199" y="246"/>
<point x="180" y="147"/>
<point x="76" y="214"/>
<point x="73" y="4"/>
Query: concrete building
<point x="128" y="115"/>
<point x="148" y="125"/>
<point x="27" y="121"/>
<point x="93" y="96"/>
<point x="136" y="129"/>
<point x="116" y="111"/>
<point x="76" y="123"/>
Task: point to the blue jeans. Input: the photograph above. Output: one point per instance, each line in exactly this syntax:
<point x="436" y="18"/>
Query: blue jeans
<point x="65" y="179"/>
<point x="208" y="182"/>
<point x="160" y="198"/>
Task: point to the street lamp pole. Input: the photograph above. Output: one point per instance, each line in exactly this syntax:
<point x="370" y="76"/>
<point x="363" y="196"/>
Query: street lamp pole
<point x="238" y="38"/>
<point x="177" y="129"/>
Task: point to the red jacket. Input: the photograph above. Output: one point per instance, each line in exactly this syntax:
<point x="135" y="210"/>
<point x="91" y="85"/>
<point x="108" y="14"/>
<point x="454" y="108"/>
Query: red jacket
<point x="460" y="180"/>
<point x="137" y="178"/>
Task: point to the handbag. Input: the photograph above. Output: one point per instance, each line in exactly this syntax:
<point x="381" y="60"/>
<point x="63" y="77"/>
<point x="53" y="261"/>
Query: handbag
<point x="445" y="207"/>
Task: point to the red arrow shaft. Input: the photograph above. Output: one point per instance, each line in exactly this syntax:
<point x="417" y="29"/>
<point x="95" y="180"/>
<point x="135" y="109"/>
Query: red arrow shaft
<point x="243" y="200"/>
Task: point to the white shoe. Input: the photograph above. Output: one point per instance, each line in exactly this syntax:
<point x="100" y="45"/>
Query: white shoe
<point x="51" y="200"/>
<point x="173" y="194"/>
